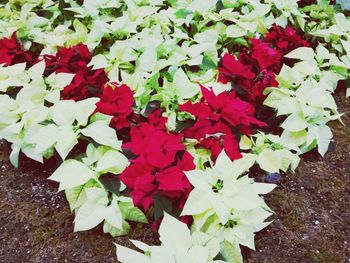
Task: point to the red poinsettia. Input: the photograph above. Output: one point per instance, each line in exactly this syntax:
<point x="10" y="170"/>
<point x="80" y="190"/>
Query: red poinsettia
<point x="157" y="169"/>
<point x="12" y="52"/>
<point x="116" y="100"/>
<point x="233" y="67"/>
<point x="86" y="82"/>
<point x="218" y="119"/>
<point x="255" y="67"/>
<point x="265" y="55"/>
<point x="285" y="40"/>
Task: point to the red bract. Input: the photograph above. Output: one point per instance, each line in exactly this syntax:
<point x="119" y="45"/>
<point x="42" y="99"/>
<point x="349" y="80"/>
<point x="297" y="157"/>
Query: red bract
<point x="264" y="54"/>
<point x="86" y="82"/>
<point x="158" y="167"/>
<point x="231" y="66"/>
<point x="117" y="100"/>
<point x="12" y="52"/>
<point x="219" y="118"/>
<point x="286" y="39"/>
<point x="255" y="67"/>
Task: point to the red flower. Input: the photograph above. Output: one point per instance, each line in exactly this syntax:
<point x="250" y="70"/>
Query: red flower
<point x="117" y="100"/>
<point x="157" y="146"/>
<point x="12" y="52"/>
<point x="219" y="117"/>
<point x="256" y="66"/>
<point x="160" y="161"/>
<point x="232" y="67"/>
<point x="265" y="55"/>
<point x="286" y="39"/>
<point x="86" y="82"/>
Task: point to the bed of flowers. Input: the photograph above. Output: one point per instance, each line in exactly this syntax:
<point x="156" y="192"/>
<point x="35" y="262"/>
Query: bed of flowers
<point x="159" y="109"/>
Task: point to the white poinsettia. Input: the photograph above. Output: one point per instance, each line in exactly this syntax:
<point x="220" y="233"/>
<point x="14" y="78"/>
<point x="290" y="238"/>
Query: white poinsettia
<point x="271" y="152"/>
<point x="93" y="205"/>
<point x="178" y="245"/>
<point x="227" y="205"/>
<point x="239" y="229"/>
<point x="88" y="197"/>
<point x="12" y="76"/>
<point x="99" y="160"/>
<point x="222" y="191"/>
<point x="97" y="207"/>
<point x="307" y="102"/>
<point x="63" y="133"/>
<point x="180" y="89"/>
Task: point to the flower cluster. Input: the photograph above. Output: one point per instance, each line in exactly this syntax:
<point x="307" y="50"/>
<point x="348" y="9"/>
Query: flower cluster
<point x="157" y="169"/>
<point x="12" y="52"/>
<point x="86" y="82"/>
<point x="117" y="100"/>
<point x="219" y="120"/>
<point x="117" y="90"/>
<point x="256" y="66"/>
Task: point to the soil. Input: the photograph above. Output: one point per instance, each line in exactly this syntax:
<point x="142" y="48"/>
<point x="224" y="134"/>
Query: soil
<point x="310" y="225"/>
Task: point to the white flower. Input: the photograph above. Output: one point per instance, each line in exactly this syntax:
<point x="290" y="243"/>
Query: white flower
<point x="178" y="245"/>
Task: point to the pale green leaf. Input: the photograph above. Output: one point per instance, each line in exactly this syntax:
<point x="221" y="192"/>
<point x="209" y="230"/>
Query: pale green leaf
<point x="127" y="255"/>
<point x="113" y="215"/>
<point x="174" y="233"/>
<point x="72" y="173"/>
<point x="245" y="143"/>
<point x="231" y="252"/>
<point x="73" y="195"/>
<point x="295" y="122"/>
<point x="269" y="161"/>
<point x="101" y="133"/>
<point x="113" y="162"/>
<point x="148" y="59"/>
<point x="302" y="53"/>
<point x="89" y="215"/>
<point x="185" y="88"/>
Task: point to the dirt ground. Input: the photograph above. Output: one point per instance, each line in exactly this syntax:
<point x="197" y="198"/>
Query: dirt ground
<point x="311" y="223"/>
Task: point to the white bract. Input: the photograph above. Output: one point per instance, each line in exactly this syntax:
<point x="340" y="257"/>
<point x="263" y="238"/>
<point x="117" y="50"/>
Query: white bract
<point x="178" y="245"/>
<point x="305" y="96"/>
<point x="222" y="201"/>
<point x="89" y="198"/>
<point x="163" y="50"/>
<point x="270" y="152"/>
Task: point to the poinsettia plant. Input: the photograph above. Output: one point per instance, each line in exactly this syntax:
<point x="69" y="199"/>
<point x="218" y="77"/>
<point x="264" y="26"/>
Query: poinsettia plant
<point x="158" y="110"/>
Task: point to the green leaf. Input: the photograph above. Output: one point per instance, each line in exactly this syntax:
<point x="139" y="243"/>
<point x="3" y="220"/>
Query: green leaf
<point x="73" y="195"/>
<point x="111" y="182"/>
<point x="115" y="232"/>
<point x="208" y="222"/>
<point x="183" y="13"/>
<point x="207" y="63"/>
<point x="245" y="143"/>
<point x="231" y="252"/>
<point x="161" y="205"/>
<point x="132" y="213"/>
